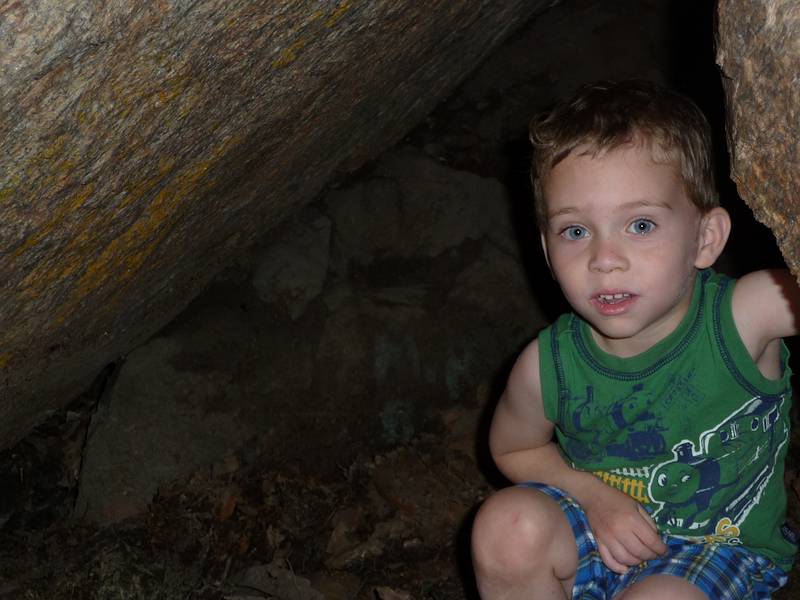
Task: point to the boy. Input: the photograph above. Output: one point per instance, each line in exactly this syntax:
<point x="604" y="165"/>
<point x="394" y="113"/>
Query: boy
<point x="667" y="388"/>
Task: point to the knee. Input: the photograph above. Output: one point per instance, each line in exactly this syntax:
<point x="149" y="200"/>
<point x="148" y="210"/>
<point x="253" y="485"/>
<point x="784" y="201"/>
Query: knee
<point x="662" y="587"/>
<point x="513" y="530"/>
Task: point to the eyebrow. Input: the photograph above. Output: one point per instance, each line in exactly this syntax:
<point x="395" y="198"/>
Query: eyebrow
<point x="647" y="204"/>
<point x="626" y="206"/>
<point x="562" y="211"/>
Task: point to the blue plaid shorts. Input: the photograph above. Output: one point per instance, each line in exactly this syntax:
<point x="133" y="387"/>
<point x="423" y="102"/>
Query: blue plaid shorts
<point x="722" y="572"/>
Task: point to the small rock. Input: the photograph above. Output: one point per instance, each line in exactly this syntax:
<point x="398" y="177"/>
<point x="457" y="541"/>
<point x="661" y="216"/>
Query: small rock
<point x="386" y="593"/>
<point x="227" y="466"/>
<point x="276" y="580"/>
<point x="338" y="584"/>
<point x="342" y="538"/>
<point x="292" y="271"/>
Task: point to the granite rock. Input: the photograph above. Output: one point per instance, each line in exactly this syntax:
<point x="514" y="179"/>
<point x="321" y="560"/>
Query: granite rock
<point x="146" y="143"/>
<point x="759" y="53"/>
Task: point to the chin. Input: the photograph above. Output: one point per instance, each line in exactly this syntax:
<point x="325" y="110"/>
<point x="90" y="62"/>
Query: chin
<point x="616" y="333"/>
<point x="614" y="330"/>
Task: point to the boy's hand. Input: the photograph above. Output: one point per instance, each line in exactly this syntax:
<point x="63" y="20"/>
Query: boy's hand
<point x="626" y="535"/>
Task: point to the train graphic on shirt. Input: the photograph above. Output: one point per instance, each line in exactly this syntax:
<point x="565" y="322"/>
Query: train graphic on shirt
<point x="634" y="431"/>
<point x="722" y="477"/>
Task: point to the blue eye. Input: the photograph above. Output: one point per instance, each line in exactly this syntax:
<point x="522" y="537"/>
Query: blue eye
<point x="575" y="232"/>
<point x="642" y="226"/>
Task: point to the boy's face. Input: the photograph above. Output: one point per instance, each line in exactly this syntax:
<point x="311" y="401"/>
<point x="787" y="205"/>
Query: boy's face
<point x="622" y="241"/>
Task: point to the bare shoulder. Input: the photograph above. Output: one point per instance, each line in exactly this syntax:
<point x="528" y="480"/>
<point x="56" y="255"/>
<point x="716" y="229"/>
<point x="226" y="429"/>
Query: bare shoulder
<point x="519" y="420"/>
<point x="524" y="377"/>
<point x="766" y="306"/>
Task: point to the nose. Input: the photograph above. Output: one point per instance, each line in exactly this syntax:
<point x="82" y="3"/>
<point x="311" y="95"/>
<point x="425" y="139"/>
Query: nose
<point x="607" y="256"/>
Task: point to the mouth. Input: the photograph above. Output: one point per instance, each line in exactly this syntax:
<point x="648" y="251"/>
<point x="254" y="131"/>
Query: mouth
<point x="613" y="302"/>
<point x="613" y="298"/>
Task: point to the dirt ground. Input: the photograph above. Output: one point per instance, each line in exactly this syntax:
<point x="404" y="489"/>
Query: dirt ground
<point x="392" y="525"/>
<point x="388" y="526"/>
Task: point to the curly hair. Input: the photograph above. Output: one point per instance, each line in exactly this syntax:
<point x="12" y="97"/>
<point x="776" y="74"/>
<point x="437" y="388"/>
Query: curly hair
<point x="602" y="116"/>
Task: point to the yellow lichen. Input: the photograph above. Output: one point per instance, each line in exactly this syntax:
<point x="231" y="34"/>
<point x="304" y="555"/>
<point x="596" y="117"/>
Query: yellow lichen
<point x="289" y="55"/>
<point x="338" y="14"/>
<point x="7" y="192"/>
<point x="125" y="256"/>
<point x="72" y="204"/>
<point x="173" y="87"/>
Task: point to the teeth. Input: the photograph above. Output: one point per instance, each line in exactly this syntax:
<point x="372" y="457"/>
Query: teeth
<point x="612" y="297"/>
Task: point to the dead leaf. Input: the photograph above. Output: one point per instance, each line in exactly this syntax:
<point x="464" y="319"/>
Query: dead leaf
<point x="386" y="593"/>
<point x="278" y="580"/>
<point x="226" y="505"/>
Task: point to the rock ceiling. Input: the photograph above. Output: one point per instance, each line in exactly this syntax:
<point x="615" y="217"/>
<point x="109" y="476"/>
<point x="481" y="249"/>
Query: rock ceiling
<point x="146" y="143"/>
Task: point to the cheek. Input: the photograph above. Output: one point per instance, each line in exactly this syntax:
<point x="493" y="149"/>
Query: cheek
<point x="561" y="253"/>
<point x="570" y="280"/>
<point x="563" y="268"/>
<point x="568" y="264"/>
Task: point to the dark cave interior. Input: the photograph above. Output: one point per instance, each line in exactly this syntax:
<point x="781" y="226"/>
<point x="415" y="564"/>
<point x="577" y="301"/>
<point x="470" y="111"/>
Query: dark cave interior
<point x="327" y="438"/>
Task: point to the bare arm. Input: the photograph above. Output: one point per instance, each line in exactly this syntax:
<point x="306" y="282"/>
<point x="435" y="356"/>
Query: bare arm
<point x="521" y="442"/>
<point x="521" y="437"/>
<point x="766" y="308"/>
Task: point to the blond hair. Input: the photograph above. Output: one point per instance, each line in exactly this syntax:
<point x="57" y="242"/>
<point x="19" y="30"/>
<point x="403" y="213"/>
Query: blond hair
<point x="603" y="116"/>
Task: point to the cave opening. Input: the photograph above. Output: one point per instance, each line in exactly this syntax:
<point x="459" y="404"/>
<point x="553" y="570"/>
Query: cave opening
<point x="314" y="424"/>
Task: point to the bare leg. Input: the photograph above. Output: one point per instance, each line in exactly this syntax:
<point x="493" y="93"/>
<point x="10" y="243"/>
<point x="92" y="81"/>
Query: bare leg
<point x="662" y="587"/>
<point x="523" y="547"/>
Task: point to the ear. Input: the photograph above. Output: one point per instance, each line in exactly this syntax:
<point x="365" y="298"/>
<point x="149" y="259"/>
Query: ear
<point x="544" y="249"/>
<point x="715" y="227"/>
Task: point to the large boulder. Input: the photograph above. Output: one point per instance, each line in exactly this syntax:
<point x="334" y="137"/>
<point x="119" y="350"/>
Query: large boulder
<point x="145" y="143"/>
<point x="759" y="52"/>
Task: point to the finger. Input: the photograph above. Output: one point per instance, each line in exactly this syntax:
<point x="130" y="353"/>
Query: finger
<point x="635" y="548"/>
<point x="650" y="537"/>
<point x="648" y="519"/>
<point x="643" y="550"/>
<point x="610" y="561"/>
<point x="620" y="550"/>
<point x="653" y="545"/>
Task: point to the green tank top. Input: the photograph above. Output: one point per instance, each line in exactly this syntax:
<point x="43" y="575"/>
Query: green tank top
<point x="690" y="428"/>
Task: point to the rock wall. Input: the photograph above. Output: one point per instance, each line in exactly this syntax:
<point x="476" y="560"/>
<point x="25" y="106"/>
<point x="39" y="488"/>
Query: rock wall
<point x="145" y="143"/>
<point x="406" y="294"/>
<point x="390" y="304"/>
<point x="759" y="53"/>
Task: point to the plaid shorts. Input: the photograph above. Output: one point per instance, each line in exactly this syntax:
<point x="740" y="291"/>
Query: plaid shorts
<point x="723" y="572"/>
